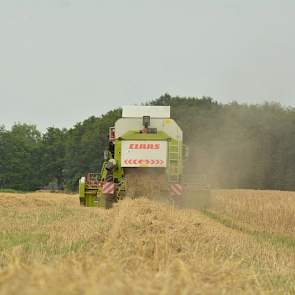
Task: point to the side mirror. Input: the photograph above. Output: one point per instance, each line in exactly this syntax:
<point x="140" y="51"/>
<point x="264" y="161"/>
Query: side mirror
<point x="106" y="155"/>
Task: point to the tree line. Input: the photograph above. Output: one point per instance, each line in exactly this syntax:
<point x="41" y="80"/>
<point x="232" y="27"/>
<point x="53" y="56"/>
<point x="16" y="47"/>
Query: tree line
<point x="230" y="146"/>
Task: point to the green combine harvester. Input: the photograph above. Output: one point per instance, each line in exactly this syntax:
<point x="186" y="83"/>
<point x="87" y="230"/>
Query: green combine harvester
<point x="144" y="159"/>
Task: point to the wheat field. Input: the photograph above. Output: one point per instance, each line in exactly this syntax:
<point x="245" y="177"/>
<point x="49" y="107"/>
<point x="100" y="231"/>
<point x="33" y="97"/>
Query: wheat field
<point x="243" y="244"/>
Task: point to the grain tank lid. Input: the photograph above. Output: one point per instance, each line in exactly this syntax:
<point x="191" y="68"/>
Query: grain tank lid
<point x="140" y="111"/>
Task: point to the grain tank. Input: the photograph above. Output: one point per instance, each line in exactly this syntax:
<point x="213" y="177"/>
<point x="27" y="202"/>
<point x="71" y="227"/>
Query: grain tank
<point x="144" y="158"/>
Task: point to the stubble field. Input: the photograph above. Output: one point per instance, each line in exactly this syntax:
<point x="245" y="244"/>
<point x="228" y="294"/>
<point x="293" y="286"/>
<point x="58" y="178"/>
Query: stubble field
<point x="243" y="244"/>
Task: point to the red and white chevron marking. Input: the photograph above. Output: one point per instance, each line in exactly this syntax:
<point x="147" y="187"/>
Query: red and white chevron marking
<point x="143" y="162"/>
<point x="176" y="189"/>
<point x="108" y="188"/>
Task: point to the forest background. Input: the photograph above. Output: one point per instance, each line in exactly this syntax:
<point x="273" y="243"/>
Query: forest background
<point x="230" y="146"/>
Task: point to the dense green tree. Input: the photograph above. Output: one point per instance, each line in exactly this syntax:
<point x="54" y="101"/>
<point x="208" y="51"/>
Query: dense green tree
<point x="20" y="157"/>
<point x="53" y="156"/>
<point x="85" y="145"/>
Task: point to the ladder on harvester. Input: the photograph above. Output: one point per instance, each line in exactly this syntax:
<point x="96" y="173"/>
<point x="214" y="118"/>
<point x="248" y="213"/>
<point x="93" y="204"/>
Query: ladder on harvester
<point x="174" y="162"/>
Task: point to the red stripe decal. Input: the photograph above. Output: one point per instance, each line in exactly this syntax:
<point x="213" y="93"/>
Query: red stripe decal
<point x="176" y="189"/>
<point x="143" y="162"/>
<point x="108" y="188"/>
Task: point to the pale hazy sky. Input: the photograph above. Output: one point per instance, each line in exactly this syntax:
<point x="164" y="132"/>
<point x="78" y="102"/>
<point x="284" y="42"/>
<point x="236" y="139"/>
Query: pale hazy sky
<point x="64" y="60"/>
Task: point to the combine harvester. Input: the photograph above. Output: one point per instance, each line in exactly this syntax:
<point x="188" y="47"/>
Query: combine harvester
<point x="144" y="159"/>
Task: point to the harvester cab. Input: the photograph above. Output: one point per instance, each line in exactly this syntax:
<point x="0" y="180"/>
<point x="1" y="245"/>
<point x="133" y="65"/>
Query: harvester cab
<point x="144" y="158"/>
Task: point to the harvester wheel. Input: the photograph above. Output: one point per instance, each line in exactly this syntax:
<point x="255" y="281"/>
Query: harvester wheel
<point x="82" y="201"/>
<point x="109" y="200"/>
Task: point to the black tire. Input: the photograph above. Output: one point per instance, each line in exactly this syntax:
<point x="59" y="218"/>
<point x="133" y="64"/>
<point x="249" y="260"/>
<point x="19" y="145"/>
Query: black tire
<point x="109" y="200"/>
<point x="82" y="202"/>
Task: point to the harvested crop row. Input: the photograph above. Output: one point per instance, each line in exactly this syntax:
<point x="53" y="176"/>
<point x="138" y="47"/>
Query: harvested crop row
<point x="265" y="211"/>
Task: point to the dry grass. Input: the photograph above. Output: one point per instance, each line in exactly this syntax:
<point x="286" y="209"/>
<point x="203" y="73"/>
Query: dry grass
<point x="49" y="245"/>
<point x="266" y="211"/>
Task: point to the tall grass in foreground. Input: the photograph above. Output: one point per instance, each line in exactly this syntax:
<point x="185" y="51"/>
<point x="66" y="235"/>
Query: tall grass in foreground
<point x="50" y="245"/>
